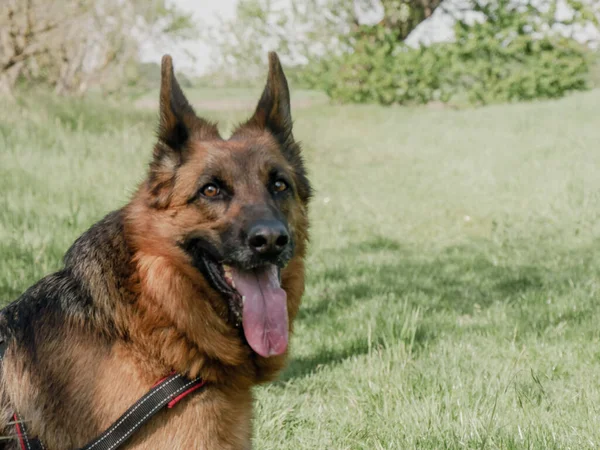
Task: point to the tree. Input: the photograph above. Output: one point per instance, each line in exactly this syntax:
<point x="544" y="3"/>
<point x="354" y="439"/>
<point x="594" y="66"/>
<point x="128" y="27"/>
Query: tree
<point x="302" y="30"/>
<point x="401" y="17"/>
<point x="78" y="43"/>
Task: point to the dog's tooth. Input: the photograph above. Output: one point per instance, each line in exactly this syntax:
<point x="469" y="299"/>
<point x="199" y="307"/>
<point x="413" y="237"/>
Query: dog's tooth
<point x="228" y="272"/>
<point x="243" y="299"/>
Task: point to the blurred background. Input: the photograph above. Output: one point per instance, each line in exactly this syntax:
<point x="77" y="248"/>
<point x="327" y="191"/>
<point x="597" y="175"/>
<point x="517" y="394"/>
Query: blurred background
<point x="383" y="51"/>
<point x="454" y="264"/>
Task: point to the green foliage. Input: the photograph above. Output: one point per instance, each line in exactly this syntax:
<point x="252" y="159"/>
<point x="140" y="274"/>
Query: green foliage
<point x="512" y="55"/>
<point x="383" y="71"/>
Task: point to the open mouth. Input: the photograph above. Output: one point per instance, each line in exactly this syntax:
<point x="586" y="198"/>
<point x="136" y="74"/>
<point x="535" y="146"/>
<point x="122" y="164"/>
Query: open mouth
<point x="255" y="298"/>
<point x="264" y="307"/>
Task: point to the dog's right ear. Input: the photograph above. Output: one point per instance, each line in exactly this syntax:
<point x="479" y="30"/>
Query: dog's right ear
<point x="176" y="114"/>
<point x="178" y="125"/>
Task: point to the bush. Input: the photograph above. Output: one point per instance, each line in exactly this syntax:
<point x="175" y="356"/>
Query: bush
<point x="380" y="70"/>
<point x="512" y="55"/>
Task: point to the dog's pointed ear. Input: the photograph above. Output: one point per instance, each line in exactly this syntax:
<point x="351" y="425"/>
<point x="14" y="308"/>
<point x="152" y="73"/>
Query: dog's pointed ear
<point x="175" y="110"/>
<point x="178" y="121"/>
<point x="178" y="125"/>
<point x="273" y="114"/>
<point x="273" y="111"/>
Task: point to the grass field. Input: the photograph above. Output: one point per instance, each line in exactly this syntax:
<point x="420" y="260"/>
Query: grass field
<point x="454" y="272"/>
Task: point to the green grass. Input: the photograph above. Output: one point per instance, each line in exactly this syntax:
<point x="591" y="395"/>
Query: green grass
<point x="454" y="272"/>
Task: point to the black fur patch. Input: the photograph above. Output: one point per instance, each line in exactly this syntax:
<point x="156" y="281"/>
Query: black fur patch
<point x="97" y="259"/>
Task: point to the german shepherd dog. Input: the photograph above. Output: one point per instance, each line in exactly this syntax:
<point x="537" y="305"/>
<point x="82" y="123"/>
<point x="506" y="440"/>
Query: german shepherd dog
<point x="201" y="273"/>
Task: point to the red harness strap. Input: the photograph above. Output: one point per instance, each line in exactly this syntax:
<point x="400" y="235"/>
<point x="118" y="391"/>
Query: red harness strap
<point x="19" y="432"/>
<point x="166" y="392"/>
<point x="180" y="396"/>
<point x="24" y="441"/>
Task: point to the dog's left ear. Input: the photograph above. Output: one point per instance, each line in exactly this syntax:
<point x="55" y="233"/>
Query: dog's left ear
<point x="273" y="114"/>
<point x="273" y="110"/>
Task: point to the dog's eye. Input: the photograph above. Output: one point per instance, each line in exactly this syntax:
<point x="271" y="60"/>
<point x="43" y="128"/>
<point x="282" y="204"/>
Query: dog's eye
<point x="280" y="186"/>
<point x="210" y="190"/>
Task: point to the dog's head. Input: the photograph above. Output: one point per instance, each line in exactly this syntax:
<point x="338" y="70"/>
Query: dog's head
<point x="236" y="208"/>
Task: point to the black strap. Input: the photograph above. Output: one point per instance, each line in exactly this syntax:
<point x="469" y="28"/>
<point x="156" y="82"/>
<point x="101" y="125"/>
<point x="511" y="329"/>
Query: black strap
<point x="157" y="398"/>
<point x="166" y="392"/>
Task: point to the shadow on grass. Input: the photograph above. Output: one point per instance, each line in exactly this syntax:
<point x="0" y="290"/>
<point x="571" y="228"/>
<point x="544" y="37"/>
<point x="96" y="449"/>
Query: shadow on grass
<point x="456" y="279"/>
<point x="460" y="280"/>
<point x="299" y="367"/>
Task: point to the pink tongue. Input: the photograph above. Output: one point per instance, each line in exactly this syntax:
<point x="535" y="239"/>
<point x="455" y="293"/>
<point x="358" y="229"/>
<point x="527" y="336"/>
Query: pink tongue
<point x="264" y="312"/>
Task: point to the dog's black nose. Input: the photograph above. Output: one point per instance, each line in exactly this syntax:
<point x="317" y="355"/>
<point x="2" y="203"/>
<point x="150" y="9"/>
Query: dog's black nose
<point x="268" y="237"/>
